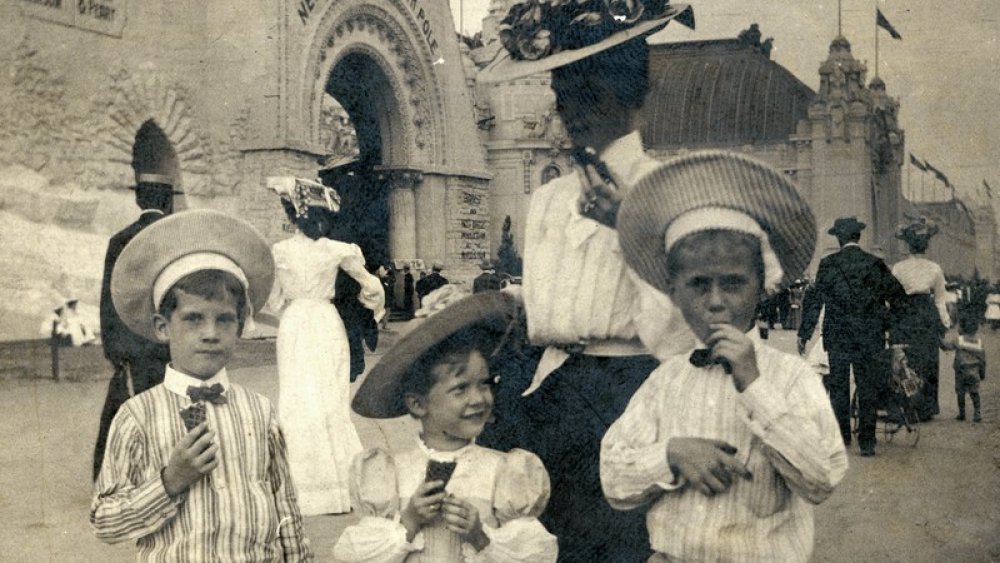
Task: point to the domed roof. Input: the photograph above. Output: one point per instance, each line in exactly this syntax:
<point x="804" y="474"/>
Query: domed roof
<point x="718" y="93"/>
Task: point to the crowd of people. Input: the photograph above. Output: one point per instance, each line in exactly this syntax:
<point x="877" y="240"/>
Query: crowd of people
<point x="619" y="404"/>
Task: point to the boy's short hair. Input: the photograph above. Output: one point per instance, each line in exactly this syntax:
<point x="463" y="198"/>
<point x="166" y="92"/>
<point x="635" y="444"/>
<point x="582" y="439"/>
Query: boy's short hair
<point x="211" y="285"/>
<point x="690" y="243"/>
<point x="419" y="377"/>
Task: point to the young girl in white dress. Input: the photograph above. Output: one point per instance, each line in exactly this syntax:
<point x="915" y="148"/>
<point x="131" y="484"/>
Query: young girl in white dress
<point x="313" y="352"/>
<point x="447" y="499"/>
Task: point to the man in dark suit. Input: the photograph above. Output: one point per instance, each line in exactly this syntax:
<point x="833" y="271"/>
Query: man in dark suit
<point x="408" y="292"/>
<point x="138" y="363"/>
<point x="433" y="281"/>
<point x="858" y="290"/>
<point x="488" y="280"/>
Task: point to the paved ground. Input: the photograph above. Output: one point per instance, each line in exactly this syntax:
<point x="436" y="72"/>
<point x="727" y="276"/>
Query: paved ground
<point x="937" y="502"/>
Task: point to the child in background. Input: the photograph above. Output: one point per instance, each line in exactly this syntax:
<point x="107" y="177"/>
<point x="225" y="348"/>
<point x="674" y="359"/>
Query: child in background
<point x="733" y="444"/>
<point x="969" y="364"/>
<point x="196" y="467"/>
<point x="447" y="500"/>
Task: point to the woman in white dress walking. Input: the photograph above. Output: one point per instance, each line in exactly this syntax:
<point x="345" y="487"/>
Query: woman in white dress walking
<point x="313" y="352"/>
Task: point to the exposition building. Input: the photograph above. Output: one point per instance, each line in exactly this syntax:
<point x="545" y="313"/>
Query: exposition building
<point x="219" y="95"/>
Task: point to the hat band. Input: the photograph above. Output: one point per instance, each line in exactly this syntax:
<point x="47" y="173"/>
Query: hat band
<point x="189" y="264"/>
<point x="711" y="218"/>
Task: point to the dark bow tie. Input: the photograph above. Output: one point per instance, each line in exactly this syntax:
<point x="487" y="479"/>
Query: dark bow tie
<point x="211" y="394"/>
<point x="702" y="358"/>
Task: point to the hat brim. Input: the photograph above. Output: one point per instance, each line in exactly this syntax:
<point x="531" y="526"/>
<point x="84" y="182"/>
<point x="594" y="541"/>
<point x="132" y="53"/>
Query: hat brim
<point x="504" y="68"/>
<point x="713" y="178"/>
<point x="178" y="235"/>
<point x="380" y="394"/>
<point x="173" y="190"/>
<point x="850" y="230"/>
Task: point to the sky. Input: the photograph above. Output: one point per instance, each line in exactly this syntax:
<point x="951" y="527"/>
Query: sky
<point x="945" y="71"/>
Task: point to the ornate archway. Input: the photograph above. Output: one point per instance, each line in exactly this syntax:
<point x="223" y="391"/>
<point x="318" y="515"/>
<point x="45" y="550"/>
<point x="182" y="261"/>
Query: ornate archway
<point x="379" y="37"/>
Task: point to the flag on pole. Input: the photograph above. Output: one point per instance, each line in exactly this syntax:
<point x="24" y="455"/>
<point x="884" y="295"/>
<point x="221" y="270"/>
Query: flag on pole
<point x="916" y="162"/>
<point x="881" y="21"/>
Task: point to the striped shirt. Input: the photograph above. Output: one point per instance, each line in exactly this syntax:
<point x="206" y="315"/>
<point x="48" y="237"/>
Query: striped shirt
<point x="577" y="288"/>
<point x="244" y="510"/>
<point x="785" y="434"/>
<point x="921" y="276"/>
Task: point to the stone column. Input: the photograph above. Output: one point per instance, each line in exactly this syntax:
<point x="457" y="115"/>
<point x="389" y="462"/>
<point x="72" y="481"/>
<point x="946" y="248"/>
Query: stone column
<point x="402" y="219"/>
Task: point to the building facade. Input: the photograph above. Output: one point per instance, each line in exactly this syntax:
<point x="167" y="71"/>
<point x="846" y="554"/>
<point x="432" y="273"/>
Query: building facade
<point x="219" y="95"/>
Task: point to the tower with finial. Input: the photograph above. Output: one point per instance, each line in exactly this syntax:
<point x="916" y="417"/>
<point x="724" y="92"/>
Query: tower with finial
<point x="856" y="148"/>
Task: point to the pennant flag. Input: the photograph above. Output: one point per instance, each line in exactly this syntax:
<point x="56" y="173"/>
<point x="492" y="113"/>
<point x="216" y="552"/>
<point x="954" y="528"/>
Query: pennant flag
<point x="882" y="22"/>
<point x="916" y="162"/>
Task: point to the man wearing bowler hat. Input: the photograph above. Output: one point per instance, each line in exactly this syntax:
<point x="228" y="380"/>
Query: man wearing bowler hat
<point x="433" y="281"/>
<point x="138" y="363"/>
<point x="858" y="290"/>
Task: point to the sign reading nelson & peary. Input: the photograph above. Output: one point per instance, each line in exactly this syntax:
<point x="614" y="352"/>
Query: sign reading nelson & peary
<point x="100" y="16"/>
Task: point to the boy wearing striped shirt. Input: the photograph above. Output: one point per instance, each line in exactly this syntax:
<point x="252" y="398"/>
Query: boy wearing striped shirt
<point x="196" y="467"/>
<point x="733" y="444"/>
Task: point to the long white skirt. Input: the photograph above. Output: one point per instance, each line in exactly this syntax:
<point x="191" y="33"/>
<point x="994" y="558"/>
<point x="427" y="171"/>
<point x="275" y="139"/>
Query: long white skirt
<point x="314" y="405"/>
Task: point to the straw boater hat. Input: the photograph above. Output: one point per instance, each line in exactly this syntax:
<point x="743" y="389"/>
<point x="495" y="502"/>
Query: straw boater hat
<point x="180" y="244"/>
<point x="381" y="395"/>
<point x="846" y="226"/>
<point x="540" y="35"/>
<point x="150" y="180"/>
<point x="919" y="231"/>
<point x="707" y="190"/>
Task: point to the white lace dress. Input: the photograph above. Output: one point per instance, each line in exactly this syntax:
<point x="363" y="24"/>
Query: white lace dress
<point x="314" y="367"/>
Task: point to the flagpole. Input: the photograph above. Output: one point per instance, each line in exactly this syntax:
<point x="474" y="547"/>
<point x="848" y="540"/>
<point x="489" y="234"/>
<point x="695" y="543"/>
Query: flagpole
<point x="839" y="28"/>
<point x="876" y="39"/>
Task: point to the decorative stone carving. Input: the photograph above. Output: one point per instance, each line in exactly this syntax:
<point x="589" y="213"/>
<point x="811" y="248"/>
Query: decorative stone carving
<point x="405" y="59"/>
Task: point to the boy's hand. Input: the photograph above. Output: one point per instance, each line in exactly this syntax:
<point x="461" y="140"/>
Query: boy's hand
<point x="708" y="465"/>
<point x="424" y="507"/>
<point x="463" y="519"/>
<point x="193" y="457"/>
<point x="735" y="351"/>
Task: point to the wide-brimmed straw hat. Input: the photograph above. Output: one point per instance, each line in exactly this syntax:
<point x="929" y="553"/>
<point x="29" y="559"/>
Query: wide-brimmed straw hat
<point x="846" y="226"/>
<point x="381" y="395"/>
<point x="303" y="194"/>
<point x="714" y="189"/>
<point x="181" y="244"/>
<point x="540" y="35"/>
<point x="919" y="231"/>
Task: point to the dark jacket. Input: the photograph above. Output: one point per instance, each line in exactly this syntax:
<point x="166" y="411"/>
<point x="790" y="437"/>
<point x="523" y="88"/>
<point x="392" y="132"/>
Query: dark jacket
<point x="486" y="281"/>
<point x="120" y="343"/>
<point x="433" y="281"/>
<point x="858" y="291"/>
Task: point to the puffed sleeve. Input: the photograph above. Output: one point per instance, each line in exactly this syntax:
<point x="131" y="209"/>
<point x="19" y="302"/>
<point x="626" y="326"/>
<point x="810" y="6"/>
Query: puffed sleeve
<point x="379" y="537"/>
<point x="521" y="487"/>
<point x="521" y="491"/>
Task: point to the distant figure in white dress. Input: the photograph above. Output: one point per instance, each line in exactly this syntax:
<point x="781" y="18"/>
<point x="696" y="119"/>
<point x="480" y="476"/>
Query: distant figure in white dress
<point x="993" y="310"/>
<point x="313" y="351"/>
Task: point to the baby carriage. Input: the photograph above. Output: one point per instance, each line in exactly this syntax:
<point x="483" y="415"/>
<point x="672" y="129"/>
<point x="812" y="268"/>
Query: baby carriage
<point x="899" y="399"/>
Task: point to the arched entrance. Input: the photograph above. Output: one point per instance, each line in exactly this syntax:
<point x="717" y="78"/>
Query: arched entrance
<point x="421" y="175"/>
<point x="153" y="152"/>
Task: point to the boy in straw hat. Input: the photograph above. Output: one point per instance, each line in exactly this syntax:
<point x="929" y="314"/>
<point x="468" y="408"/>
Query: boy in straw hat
<point x="196" y="467"/>
<point x="601" y="325"/>
<point x="733" y="443"/>
<point x="447" y="499"/>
